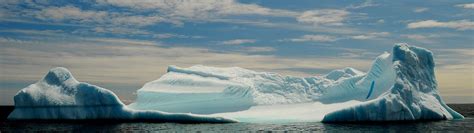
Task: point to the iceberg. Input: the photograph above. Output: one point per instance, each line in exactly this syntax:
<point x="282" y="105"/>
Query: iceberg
<point x="398" y="86"/>
<point x="59" y="96"/>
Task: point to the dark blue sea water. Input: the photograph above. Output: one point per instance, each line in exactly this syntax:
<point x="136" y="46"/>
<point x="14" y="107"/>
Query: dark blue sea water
<point x="466" y="125"/>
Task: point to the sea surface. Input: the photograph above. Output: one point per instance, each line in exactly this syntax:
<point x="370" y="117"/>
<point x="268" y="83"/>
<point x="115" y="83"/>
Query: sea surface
<point x="466" y="125"/>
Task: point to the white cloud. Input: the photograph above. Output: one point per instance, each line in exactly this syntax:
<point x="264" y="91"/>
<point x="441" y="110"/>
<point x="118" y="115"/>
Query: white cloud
<point x="99" y="17"/>
<point x="459" y="24"/>
<point x="238" y="41"/>
<point x="466" y="6"/>
<point x="137" y="20"/>
<point x="356" y="53"/>
<point x="7" y="40"/>
<point x="415" y="36"/>
<point x="419" y="38"/>
<point x="257" y="49"/>
<point x="370" y="35"/>
<point x="361" y="37"/>
<point x="140" y="13"/>
<point x="118" y="41"/>
<point x="36" y="32"/>
<point x="467" y="53"/>
<point x="433" y="37"/>
<point x="323" y="17"/>
<point x="314" y="38"/>
<point x="198" y="9"/>
<point x="167" y="35"/>
<point x="177" y="11"/>
<point x="420" y="9"/>
<point x="426" y="38"/>
<point x="380" y="21"/>
<point x="367" y="3"/>
<point x="71" y="12"/>
<point x="121" y="30"/>
<point x="170" y="35"/>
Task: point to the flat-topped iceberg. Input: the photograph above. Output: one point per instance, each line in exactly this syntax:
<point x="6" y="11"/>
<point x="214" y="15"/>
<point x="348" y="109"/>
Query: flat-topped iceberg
<point x="59" y="96"/>
<point x="399" y="86"/>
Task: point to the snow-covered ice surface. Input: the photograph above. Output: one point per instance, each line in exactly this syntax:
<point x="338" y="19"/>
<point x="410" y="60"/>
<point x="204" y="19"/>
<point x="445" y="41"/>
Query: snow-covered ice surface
<point x="404" y="88"/>
<point x="59" y="96"/>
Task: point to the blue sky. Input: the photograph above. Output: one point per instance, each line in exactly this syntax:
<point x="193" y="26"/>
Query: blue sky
<point x="120" y="45"/>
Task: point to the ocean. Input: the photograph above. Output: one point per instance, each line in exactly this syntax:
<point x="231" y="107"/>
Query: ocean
<point x="466" y="125"/>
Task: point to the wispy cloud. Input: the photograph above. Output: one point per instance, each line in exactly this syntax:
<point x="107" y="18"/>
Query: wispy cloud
<point x="356" y="53"/>
<point x="113" y="30"/>
<point x="372" y="35"/>
<point x="323" y="17"/>
<point x="420" y="9"/>
<point x="117" y="41"/>
<point x="238" y="41"/>
<point x="171" y="35"/>
<point x="258" y="49"/>
<point x="417" y="37"/>
<point x="72" y="13"/>
<point x="36" y="32"/>
<point x="459" y="24"/>
<point x="313" y="38"/>
<point x="142" y="13"/>
<point x="196" y="9"/>
<point x="365" y="4"/>
<point x="381" y="21"/>
<point x="466" y="6"/>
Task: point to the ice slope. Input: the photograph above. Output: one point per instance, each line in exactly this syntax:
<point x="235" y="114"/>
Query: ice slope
<point x="413" y="96"/>
<point x="59" y="96"/>
<point x="341" y="95"/>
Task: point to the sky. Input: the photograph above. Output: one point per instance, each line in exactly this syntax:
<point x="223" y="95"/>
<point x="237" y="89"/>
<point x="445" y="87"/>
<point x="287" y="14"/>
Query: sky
<point x="121" y="44"/>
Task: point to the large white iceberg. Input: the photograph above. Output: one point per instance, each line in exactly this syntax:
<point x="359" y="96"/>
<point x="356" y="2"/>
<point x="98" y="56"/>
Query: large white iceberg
<point x="398" y="86"/>
<point x="59" y="96"/>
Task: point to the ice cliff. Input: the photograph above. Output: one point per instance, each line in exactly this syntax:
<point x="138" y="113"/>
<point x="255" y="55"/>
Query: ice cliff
<point x="413" y="96"/>
<point x="59" y="96"/>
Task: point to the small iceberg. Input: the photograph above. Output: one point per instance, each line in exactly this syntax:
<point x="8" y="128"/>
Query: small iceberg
<point x="59" y="96"/>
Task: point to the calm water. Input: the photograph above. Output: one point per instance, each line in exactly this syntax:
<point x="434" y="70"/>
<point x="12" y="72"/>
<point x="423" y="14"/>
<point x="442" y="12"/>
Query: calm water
<point x="454" y="125"/>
